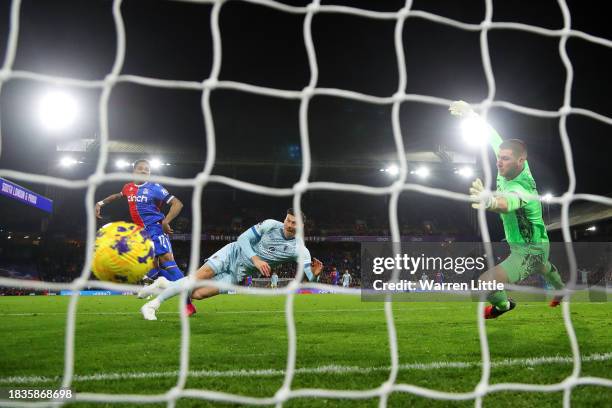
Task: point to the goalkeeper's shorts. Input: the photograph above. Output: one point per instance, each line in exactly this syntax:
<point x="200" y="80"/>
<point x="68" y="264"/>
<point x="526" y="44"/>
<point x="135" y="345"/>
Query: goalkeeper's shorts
<point x="525" y="260"/>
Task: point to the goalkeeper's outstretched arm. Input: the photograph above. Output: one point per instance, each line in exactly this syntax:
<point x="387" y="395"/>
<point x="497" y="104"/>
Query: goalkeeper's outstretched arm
<point x="496" y="204"/>
<point x="493" y="203"/>
<point x="105" y="201"/>
<point x="462" y="109"/>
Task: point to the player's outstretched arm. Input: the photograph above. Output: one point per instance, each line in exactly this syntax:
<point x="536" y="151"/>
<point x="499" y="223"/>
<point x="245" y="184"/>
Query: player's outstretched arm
<point x="317" y="267"/>
<point x="492" y="203"/>
<point x="464" y="110"/>
<point x="313" y="269"/>
<point x="175" y="208"/>
<point x="246" y="241"/>
<point x="105" y="201"/>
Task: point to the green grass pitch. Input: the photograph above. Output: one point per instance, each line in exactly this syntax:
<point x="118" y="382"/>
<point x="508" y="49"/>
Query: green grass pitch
<point x="239" y="345"/>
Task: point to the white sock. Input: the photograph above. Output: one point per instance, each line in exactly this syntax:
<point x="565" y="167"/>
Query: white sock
<point x="174" y="289"/>
<point x="155" y="304"/>
<point x="162" y="283"/>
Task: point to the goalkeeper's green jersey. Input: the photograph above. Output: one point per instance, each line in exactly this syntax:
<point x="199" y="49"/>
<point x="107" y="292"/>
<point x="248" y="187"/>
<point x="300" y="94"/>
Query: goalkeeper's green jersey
<point x="523" y="224"/>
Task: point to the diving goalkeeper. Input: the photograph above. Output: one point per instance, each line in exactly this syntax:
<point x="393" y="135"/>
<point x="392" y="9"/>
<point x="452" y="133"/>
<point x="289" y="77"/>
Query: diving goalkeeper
<point x="522" y="218"/>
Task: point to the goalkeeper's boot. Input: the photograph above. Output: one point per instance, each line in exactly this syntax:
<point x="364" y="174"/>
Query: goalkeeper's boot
<point x="160" y="284"/>
<point x="491" y="312"/>
<point x="556" y="301"/>
<point x="190" y="309"/>
<point x="148" y="309"/>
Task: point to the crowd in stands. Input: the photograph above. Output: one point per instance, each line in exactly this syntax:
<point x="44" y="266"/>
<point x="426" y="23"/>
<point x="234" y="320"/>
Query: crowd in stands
<point x="61" y="260"/>
<point x="351" y="225"/>
<point x="338" y="258"/>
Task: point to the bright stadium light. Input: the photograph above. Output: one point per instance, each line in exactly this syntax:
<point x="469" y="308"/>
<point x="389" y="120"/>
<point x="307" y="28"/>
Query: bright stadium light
<point x="422" y="172"/>
<point x="68" y="161"/>
<point x="392" y="170"/>
<point x="58" y="110"/>
<point x="122" y="164"/>
<point x="475" y="130"/>
<point x="592" y="228"/>
<point x="547" y="197"/>
<point x="155" y="163"/>
<point x="465" y="171"/>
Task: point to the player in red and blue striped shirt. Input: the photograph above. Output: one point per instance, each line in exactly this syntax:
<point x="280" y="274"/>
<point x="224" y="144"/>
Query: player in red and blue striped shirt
<point x="145" y="201"/>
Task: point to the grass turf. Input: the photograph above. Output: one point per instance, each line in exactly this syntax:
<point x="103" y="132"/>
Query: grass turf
<point x="342" y="344"/>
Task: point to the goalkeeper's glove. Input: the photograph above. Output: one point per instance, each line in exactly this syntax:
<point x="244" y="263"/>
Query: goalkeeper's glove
<point x="461" y="109"/>
<point x="490" y="203"/>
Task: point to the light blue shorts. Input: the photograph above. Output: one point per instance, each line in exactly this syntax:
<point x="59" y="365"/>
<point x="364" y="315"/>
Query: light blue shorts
<point x="228" y="265"/>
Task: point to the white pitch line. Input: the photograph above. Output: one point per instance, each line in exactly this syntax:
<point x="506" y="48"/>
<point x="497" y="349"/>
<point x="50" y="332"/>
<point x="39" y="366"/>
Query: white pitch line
<point x="280" y="311"/>
<point x="328" y="369"/>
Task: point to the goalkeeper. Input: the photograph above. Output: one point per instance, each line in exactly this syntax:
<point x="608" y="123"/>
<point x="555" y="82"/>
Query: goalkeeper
<point x="521" y="216"/>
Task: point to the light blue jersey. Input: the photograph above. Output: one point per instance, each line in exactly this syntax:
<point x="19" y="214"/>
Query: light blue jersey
<point x="346" y="280"/>
<point x="274" y="280"/>
<point x="266" y="240"/>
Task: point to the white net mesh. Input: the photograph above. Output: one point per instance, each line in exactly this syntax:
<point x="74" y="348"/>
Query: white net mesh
<point x="285" y="392"/>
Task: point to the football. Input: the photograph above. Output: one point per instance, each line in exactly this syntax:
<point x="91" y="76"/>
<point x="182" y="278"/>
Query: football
<point x="124" y="253"/>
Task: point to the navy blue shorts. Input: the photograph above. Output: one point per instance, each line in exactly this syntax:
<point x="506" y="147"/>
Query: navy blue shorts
<point x="161" y="241"/>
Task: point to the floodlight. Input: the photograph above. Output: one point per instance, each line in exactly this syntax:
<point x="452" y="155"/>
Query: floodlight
<point x="58" y="110"/>
<point x="465" y="171"/>
<point x="422" y="172"/>
<point x="68" y="161"/>
<point x="475" y="130"/>
<point x="155" y="163"/>
<point x="392" y="170"/>
<point x="121" y="163"/>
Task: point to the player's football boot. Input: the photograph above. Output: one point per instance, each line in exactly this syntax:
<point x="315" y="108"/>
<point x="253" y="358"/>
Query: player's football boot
<point x="160" y="284"/>
<point x="146" y="280"/>
<point x="556" y="301"/>
<point x="491" y="312"/>
<point x="148" y="311"/>
<point x="190" y="309"/>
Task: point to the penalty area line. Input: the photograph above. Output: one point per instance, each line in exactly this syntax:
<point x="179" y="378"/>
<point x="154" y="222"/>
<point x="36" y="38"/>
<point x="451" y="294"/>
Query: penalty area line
<point x="327" y="369"/>
<point x="205" y="312"/>
<point x="278" y="311"/>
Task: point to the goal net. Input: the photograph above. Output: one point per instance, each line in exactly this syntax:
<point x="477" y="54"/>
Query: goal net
<point x="402" y="184"/>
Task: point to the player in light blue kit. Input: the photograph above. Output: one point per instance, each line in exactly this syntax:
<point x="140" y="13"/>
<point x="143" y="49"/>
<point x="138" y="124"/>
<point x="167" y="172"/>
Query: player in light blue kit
<point x="274" y="280"/>
<point x="346" y="279"/>
<point x="145" y="201"/>
<point x="261" y="247"/>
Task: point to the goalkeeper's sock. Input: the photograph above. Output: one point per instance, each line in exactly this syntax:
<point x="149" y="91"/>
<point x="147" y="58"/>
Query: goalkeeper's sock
<point x="553" y="277"/>
<point x="499" y="299"/>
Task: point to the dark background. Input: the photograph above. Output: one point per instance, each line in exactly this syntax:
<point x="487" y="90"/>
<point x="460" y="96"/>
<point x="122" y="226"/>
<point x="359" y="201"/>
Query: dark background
<point x="257" y="137"/>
